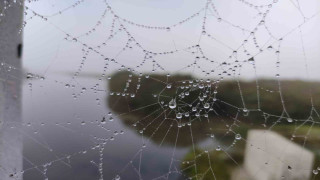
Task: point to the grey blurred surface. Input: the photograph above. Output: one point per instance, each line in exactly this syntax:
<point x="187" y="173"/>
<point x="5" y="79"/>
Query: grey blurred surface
<point x="10" y="89"/>
<point x="271" y="156"/>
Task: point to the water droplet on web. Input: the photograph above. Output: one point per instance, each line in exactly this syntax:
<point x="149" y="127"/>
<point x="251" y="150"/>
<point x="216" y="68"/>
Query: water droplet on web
<point x="117" y="177"/>
<point x="206" y="106"/>
<point x="289" y="120"/>
<point x="172" y="104"/>
<point x="315" y="171"/>
<point x="179" y="115"/>
<point x="30" y="76"/>
<point x="238" y="136"/>
<point x="234" y="53"/>
<point x="103" y="121"/>
<point x="245" y="112"/>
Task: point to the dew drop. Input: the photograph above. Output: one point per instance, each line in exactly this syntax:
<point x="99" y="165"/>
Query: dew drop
<point x="315" y="171"/>
<point x="117" y="177"/>
<point x="238" y="136"/>
<point x="103" y="121"/>
<point x="111" y="119"/>
<point x="172" y="104"/>
<point x="251" y="59"/>
<point x="179" y="115"/>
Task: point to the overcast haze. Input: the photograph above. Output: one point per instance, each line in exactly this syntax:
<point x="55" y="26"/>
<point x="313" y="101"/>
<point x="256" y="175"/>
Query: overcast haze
<point x="45" y="46"/>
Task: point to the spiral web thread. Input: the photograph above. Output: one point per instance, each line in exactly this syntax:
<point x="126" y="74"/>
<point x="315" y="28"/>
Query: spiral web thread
<point x="209" y="73"/>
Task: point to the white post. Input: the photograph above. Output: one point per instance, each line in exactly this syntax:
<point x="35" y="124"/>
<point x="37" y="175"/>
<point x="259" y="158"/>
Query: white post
<point x="270" y="156"/>
<point x="11" y="158"/>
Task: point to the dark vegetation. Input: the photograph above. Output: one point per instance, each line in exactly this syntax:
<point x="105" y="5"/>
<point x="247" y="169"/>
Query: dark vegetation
<point x="296" y="95"/>
<point x="150" y="115"/>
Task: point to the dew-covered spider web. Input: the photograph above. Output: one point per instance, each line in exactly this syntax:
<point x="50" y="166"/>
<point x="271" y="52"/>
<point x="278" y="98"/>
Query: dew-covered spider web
<point x="171" y="89"/>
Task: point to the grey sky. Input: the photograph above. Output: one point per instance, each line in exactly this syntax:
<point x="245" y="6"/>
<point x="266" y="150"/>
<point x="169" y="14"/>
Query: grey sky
<point x="47" y="52"/>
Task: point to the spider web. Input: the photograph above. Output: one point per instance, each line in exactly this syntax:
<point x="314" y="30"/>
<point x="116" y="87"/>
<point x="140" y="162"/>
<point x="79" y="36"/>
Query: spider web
<point x="164" y="90"/>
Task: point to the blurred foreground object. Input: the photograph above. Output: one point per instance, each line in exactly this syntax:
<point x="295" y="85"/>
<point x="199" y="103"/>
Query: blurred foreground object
<point x="11" y="163"/>
<point x="270" y="156"/>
